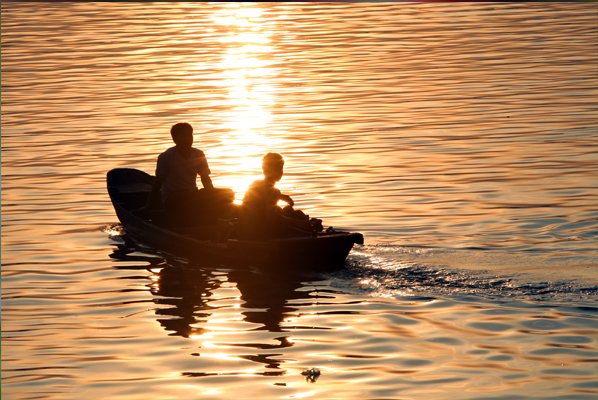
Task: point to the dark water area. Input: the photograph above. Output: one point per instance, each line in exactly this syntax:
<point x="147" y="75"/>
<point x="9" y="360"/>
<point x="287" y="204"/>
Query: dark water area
<point x="460" y="139"/>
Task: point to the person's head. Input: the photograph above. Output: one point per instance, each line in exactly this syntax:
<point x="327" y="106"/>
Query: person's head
<point x="272" y="165"/>
<point x="182" y="134"/>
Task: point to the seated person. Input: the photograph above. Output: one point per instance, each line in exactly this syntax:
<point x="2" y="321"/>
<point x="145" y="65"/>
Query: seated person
<point x="261" y="218"/>
<point x="176" y="173"/>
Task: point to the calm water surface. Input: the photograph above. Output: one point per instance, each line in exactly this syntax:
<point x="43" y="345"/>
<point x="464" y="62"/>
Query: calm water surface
<point x="459" y="139"/>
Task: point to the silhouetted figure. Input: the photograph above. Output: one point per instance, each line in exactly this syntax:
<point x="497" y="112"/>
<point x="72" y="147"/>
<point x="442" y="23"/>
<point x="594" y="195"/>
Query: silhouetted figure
<point x="186" y="294"/>
<point x="260" y="216"/>
<point x="176" y="173"/>
<point x="267" y="299"/>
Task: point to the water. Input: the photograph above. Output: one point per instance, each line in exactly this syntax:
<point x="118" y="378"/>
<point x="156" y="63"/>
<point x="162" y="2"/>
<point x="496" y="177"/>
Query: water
<point x="459" y="139"/>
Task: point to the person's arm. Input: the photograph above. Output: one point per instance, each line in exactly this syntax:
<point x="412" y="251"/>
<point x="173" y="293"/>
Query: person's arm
<point x="287" y="199"/>
<point x="200" y="164"/>
<point x="206" y="181"/>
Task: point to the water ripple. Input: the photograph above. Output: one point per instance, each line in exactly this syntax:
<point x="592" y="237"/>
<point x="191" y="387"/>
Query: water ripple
<point x="459" y="139"/>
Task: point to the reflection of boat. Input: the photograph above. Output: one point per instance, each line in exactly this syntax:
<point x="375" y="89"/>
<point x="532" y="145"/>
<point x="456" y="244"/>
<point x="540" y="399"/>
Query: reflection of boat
<point x="129" y="190"/>
<point x="186" y="296"/>
<point x="233" y="315"/>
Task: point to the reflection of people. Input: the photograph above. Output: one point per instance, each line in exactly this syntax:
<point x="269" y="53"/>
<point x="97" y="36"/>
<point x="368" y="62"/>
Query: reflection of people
<point x="260" y="216"/>
<point x="176" y="173"/>
<point x="189" y="292"/>
<point x="267" y="299"/>
<point x="186" y="298"/>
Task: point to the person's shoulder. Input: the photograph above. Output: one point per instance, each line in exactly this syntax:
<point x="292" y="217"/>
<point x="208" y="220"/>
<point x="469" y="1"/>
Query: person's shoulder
<point x="257" y="184"/>
<point x="197" y="152"/>
<point x="167" y="153"/>
<point x="264" y="187"/>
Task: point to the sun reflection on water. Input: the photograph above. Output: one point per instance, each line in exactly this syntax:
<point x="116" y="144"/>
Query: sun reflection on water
<point x="246" y="76"/>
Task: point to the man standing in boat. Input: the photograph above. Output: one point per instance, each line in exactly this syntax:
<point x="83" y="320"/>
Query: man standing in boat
<point x="176" y="173"/>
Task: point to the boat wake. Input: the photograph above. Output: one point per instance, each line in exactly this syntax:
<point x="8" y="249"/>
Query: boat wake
<point x="391" y="271"/>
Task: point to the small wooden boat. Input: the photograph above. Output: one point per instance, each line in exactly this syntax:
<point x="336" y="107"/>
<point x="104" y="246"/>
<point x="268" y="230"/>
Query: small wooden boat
<point x="129" y="190"/>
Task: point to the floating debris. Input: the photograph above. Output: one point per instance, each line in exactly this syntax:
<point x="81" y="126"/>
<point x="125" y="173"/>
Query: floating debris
<point x="311" y="375"/>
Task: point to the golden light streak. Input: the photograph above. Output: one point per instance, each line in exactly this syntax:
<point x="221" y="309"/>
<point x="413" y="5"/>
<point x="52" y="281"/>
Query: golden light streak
<point x="246" y="75"/>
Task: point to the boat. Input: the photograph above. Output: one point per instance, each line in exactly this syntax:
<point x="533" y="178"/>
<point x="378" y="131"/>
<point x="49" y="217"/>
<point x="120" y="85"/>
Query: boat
<point x="204" y="242"/>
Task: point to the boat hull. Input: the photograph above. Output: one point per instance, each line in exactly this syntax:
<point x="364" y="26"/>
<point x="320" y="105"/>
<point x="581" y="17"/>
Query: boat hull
<point x="129" y="189"/>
